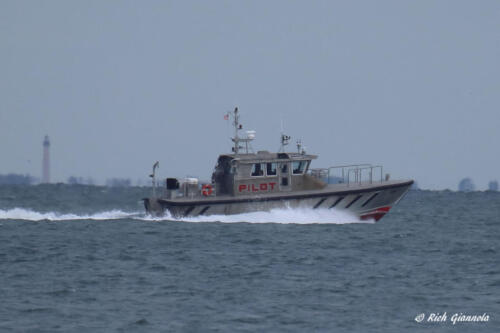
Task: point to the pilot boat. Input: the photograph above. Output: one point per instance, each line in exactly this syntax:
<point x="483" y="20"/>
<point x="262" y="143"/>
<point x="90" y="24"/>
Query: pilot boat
<point x="244" y="181"/>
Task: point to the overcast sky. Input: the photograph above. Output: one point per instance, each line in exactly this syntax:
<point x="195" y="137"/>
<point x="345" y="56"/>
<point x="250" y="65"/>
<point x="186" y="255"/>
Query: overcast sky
<point x="117" y="85"/>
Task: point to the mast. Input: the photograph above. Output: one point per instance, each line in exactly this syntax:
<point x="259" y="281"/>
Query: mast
<point x="153" y="177"/>
<point x="236" y="139"/>
<point x="284" y="141"/>
<point x="237" y="127"/>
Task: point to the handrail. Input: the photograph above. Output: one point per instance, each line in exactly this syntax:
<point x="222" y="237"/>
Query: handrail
<point x="358" y="173"/>
<point x="343" y="169"/>
<point x="356" y="169"/>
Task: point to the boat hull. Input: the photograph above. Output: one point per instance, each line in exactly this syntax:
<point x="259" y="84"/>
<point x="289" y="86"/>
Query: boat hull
<point x="365" y="201"/>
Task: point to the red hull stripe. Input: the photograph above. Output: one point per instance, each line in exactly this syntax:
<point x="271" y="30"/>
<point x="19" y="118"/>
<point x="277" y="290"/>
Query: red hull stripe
<point x="377" y="214"/>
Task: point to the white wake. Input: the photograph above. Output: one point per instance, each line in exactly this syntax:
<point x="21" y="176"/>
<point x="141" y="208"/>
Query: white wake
<point x="30" y="215"/>
<point x="282" y="215"/>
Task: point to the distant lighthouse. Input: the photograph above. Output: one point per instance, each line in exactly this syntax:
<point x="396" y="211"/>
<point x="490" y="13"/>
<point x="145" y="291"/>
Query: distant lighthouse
<point x="46" y="160"/>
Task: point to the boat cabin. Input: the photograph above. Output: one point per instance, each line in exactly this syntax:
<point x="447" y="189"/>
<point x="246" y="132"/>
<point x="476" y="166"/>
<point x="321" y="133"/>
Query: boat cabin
<point x="263" y="172"/>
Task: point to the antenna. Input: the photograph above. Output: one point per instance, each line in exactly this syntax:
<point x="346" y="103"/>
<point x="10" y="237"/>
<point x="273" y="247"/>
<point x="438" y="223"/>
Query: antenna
<point x="300" y="148"/>
<point x="46" y="160"/>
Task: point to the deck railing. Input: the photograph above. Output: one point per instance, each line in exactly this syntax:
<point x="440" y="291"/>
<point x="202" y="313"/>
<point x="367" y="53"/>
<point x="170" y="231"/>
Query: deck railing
<point x="349" y="174"/>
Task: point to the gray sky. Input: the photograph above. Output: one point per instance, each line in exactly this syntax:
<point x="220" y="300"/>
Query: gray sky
<point x="412" y="85"/>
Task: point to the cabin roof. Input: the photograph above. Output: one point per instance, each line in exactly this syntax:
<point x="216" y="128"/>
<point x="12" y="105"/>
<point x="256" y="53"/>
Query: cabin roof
<point x="267" y="156"/>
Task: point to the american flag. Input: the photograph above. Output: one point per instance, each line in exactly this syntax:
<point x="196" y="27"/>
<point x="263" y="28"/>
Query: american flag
<point x="226" y="117"/>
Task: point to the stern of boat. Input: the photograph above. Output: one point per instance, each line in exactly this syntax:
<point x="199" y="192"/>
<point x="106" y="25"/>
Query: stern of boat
<point x="153" y="206"/>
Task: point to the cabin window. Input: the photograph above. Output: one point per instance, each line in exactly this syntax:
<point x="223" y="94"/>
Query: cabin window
<point x="298" y="167"/>
<point x="258" y="169"/>
<point x="271" y="169"/>
<point x="284" y="167"/>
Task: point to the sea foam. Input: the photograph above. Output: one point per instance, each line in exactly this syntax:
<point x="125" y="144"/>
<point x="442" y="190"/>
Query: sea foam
<point x="282" y="215"/>
<point x="30" y="215"/>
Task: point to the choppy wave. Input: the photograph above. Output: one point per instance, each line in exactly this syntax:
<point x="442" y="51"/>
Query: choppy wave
<point x="284" y="216"/>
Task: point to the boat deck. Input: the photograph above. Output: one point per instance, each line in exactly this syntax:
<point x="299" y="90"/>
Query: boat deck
<point x="330" y="189"/>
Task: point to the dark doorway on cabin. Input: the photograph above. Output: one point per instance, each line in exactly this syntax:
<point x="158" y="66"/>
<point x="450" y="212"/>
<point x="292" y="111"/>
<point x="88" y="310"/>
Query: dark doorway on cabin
<point x="284" y="170"/>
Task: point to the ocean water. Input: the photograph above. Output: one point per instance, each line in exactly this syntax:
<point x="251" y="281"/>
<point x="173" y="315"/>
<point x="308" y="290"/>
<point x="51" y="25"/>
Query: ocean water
<point x="87" y="259"/>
